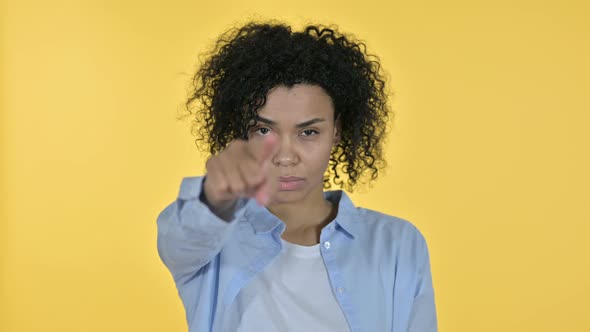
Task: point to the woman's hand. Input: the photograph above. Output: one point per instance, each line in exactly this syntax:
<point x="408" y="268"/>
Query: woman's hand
<point x="242" y="169"/>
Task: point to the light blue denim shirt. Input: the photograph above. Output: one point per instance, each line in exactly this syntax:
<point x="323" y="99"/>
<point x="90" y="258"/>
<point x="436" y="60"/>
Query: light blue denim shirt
<point x="378" y="265"/>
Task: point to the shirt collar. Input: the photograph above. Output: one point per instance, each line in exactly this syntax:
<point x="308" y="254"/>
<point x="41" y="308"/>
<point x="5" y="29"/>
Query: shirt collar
<point x="348" y="216"/>
<point x="260" y="218"/>
<point x="263" y="221"/>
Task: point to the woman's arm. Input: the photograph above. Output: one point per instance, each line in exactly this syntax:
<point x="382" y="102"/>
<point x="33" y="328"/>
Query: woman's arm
<point x="190" y="234"/>
<point x="423" y="314"/>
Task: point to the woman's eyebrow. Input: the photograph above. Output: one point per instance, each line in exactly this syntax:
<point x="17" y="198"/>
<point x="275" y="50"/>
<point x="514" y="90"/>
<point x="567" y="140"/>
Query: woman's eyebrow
<point x="299" y="125"/>
<point x="309" y="123"/>
<point x="265" y="120"/>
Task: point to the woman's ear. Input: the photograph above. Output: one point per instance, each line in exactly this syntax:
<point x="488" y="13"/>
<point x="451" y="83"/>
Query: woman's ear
<point x="337" y="131"/>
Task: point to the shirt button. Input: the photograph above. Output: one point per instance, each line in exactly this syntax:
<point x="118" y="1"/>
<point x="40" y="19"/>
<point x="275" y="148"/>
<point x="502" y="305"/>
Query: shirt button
<point x="340" y="290"/>
<point x="327" y="244"/>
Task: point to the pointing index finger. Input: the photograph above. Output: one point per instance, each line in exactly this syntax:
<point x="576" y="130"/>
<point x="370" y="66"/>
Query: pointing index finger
<point x="263" y="152"/>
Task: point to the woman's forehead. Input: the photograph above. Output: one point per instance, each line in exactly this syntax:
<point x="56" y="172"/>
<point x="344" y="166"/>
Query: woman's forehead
<point x="297" y="103"/>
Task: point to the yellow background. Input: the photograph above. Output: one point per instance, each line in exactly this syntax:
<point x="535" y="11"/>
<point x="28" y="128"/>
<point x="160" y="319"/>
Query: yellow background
<point x="488" y="154"/>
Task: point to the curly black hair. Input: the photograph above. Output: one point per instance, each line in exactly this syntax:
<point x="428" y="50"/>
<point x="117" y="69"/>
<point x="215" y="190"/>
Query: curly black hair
<point x="245" y="63"/>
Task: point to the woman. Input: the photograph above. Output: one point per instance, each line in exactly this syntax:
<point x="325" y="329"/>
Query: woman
<point x="257" y="244"/>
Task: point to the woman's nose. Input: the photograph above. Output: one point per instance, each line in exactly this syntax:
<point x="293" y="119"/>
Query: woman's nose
<point x="286" y="154"/>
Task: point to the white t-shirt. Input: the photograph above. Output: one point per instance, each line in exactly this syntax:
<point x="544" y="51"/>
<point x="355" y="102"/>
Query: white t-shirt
<point x="293" y="293"/>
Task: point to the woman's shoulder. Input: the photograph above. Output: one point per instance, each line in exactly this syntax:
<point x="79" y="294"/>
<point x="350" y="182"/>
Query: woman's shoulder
<point x="376" y="226"/>
<point x="374" y="221"/>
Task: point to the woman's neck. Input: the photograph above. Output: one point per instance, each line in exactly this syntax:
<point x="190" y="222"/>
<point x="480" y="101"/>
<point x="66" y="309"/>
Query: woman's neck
<point x="304" y="220"/>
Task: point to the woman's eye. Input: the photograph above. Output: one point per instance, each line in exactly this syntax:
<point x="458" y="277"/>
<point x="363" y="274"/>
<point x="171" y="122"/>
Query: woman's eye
<point x="262" y="131"/>
<point x="310" y="132"/>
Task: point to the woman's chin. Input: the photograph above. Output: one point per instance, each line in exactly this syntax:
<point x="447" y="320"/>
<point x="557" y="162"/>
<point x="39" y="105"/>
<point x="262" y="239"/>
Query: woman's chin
<point x="287" y="197"/>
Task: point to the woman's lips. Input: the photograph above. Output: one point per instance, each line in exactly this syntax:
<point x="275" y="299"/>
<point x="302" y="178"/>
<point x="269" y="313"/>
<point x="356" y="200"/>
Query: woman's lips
<point x="289" y="183"/>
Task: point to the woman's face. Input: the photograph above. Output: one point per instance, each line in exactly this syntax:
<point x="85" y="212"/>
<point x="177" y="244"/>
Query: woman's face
<point x="302" y="117"/>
